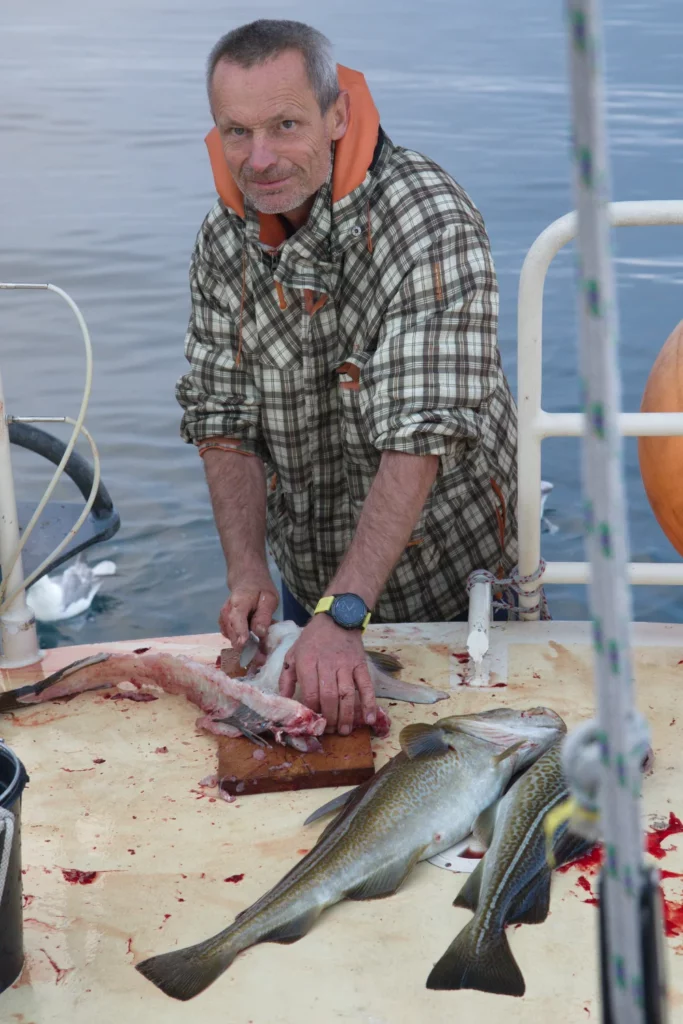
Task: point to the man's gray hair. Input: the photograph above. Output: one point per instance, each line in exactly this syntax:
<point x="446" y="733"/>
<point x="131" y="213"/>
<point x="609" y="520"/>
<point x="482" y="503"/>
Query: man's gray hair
<point x="264" y="39"/>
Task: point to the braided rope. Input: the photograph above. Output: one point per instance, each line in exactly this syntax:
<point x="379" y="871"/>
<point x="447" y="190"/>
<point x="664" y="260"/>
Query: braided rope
<point x="508" y="585"/>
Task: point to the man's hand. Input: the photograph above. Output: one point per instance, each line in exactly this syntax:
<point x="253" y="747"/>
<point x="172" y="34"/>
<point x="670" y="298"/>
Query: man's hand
<point x="251" y="605"/>
<point x="330" y="665"/>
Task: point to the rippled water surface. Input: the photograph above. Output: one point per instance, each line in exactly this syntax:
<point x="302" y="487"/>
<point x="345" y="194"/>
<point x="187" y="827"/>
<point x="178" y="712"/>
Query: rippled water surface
<point x="104" y="181"/>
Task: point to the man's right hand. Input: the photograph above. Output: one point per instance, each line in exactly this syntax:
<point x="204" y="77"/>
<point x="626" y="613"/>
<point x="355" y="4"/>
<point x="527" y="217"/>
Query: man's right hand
<point x="251" y="605"/>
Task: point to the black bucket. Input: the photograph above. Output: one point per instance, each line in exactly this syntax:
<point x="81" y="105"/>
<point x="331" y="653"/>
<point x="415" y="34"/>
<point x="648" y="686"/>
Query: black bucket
<point x="13" y="778"/>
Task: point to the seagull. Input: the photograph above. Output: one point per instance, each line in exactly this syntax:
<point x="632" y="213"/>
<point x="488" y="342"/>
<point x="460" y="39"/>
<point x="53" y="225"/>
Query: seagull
<point x="546" y="488"/>
<point x="54" y="599"/>
<point x="546" y="525"/>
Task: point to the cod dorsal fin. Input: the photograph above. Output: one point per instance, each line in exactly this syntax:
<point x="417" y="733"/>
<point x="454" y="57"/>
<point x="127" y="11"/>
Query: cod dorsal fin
<point x="420" y="739"/>
<point x="332" y="805"/>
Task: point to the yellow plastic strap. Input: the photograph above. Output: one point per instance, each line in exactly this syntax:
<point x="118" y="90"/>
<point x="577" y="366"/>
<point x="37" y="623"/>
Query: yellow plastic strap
<point x="553" y="820"/>
<point x="557" y="817"/>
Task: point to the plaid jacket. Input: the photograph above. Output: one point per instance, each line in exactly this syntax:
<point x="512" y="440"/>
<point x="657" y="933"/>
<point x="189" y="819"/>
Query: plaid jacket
<point x="373" y="328"/>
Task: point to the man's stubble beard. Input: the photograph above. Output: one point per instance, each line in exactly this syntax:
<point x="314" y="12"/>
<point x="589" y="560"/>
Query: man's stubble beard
<point x="278" y="204"/>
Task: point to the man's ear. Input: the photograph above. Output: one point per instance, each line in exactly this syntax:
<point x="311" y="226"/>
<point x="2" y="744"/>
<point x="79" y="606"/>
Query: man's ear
<point x="339" y="114"/>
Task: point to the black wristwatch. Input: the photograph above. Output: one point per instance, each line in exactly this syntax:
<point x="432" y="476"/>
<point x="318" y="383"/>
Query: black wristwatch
<point x="348" y="610"/>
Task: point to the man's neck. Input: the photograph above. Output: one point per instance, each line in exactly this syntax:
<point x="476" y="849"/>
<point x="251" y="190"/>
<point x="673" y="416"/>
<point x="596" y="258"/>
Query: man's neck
<point x="295" y="219"/>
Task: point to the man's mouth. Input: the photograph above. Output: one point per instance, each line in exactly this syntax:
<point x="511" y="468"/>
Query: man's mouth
<point x="269" y="184"/>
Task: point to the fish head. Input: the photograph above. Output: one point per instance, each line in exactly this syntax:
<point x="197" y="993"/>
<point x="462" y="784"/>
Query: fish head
<point x="534" y="729"/>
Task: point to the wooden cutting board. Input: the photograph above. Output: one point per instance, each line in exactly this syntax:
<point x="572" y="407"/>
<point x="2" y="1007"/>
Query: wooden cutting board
<point x="344" y="760"/>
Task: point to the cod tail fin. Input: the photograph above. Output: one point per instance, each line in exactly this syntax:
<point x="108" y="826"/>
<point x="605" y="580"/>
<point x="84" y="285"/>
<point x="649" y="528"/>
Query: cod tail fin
<point x="489" y="968"/>
<point x="184" y="973"/>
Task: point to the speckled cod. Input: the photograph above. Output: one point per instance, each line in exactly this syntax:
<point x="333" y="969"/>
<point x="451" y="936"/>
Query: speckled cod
<point x="421" y="802"/>
<point x="512" y="882"/>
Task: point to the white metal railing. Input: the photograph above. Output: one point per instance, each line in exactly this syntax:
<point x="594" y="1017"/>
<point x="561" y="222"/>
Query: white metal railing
<point x="18" y="634"/>
<point x="535" y="424"/>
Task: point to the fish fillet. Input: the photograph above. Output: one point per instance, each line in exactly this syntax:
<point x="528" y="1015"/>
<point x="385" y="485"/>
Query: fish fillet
<point x="218" y="695"/>
<point x="221" y="698"/>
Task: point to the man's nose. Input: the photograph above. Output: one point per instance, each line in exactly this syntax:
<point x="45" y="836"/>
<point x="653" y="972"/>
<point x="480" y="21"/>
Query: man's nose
<point x="262" y="155"/>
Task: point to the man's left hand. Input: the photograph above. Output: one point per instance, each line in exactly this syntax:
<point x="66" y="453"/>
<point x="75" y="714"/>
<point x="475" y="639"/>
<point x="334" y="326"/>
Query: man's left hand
<point x="330" y="665"/>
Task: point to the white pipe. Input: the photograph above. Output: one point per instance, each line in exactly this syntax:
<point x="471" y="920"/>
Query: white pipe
<point x="18" y="633"/>
<point x="644" y="574"/>
<point x="631" y="424"/>
<point x="84" y="512"/>
<point x="479" y="619"/>
<point x="9" y="559"/>
<point x="535" y="424"/>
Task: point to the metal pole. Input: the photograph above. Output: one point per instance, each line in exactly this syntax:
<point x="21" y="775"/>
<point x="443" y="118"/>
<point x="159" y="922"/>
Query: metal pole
<point x="18" y="634"/>
<point x="620" y="768"/>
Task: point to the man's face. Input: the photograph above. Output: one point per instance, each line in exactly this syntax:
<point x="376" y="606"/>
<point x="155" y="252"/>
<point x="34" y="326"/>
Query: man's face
<point x="277" y="144"/>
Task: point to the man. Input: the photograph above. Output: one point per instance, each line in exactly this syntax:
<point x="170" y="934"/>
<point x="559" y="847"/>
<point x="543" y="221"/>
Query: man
<point x="345" y="390"/>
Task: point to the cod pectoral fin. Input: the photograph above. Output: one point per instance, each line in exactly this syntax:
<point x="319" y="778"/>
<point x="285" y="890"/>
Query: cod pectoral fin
<point x="468" y="897"/>
<point x="386" y="879"/>
<point x="509" y="752"/>
<point x="483" y="828"/>
<point x="420" y="739"/>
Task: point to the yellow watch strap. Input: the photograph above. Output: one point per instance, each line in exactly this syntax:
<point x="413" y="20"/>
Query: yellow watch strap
<point x="325" y="603"/>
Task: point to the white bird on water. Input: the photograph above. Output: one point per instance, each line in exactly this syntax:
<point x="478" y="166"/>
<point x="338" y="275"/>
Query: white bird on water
<point x="546" y="525"/>
<point x="54" y="599"/>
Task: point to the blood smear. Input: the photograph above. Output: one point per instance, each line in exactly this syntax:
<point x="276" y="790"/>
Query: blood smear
<point x="656" y="836"/>
<point x="76" y="877"/>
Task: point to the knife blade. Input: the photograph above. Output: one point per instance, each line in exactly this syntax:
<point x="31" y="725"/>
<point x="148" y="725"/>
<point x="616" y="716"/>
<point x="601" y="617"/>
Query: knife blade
<point x="249" y="650"/>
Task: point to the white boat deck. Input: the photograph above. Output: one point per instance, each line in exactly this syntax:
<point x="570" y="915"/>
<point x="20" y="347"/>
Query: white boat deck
<point x="114" y="790"/>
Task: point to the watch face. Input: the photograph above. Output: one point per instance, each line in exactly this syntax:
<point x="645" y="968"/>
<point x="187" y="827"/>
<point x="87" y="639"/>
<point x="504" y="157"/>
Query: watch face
<point x="348" y="610"/>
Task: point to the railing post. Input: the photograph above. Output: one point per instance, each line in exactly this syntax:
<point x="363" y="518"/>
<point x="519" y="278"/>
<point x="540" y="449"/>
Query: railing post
<point x="18" y="635"/>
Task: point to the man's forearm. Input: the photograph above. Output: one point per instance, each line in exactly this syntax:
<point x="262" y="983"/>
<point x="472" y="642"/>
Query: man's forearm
<point x="388" y="517"/>
<point x="237" y="485"/>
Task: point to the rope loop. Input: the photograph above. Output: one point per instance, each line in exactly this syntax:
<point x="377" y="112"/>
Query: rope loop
<point x="507" y="586"/>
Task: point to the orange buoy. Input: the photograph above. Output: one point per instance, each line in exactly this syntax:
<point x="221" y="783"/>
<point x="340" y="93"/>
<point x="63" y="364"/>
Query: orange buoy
<point x="661" y="458"/>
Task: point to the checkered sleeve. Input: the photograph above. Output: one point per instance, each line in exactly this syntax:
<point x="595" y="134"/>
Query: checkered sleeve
<point x="218" y="396"/>
<point x="436" y="363"/>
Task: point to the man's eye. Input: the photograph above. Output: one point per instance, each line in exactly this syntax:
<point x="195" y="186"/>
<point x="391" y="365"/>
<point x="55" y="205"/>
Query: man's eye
<point x="288" y="125"/>
<point x="237" y="132"/>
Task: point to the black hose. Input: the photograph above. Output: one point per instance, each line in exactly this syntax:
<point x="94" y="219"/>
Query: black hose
<point x="25" y="435"/>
